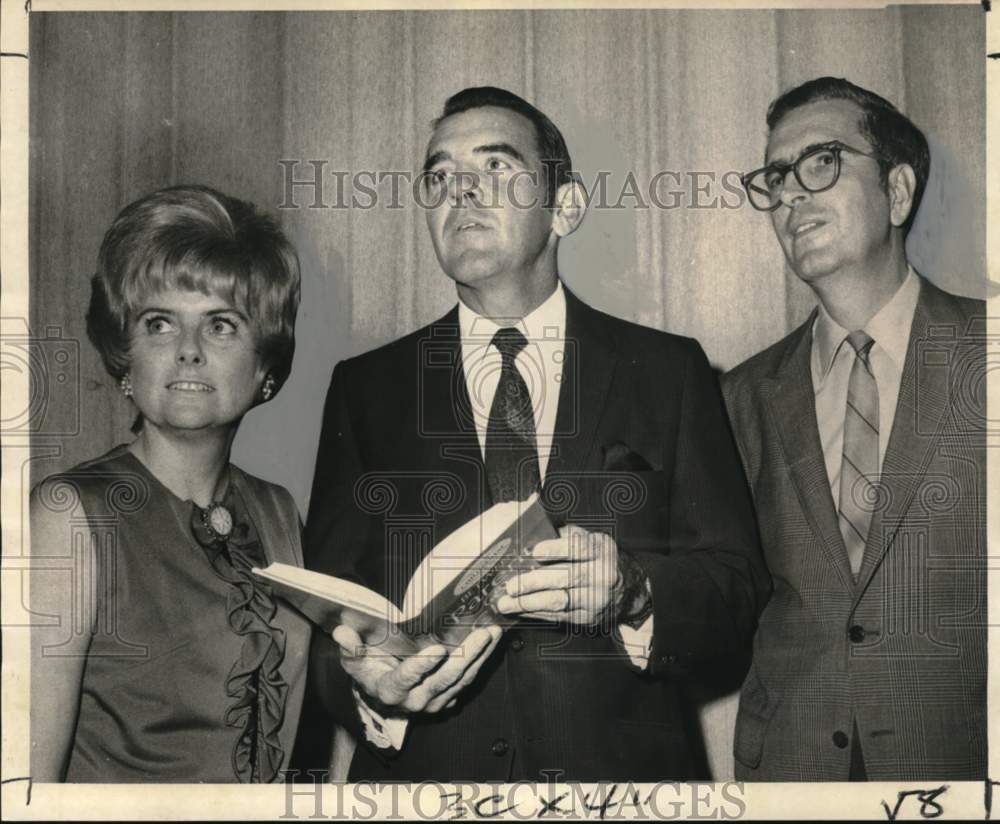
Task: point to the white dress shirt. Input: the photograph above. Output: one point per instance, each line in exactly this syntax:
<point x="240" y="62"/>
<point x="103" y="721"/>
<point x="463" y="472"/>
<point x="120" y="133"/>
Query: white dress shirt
<point x="831" y="362"/>
<point x="540" y="363"/>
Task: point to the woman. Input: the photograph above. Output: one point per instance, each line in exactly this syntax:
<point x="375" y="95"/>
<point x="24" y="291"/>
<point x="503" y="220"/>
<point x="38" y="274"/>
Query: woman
<point x="170" y="662"/>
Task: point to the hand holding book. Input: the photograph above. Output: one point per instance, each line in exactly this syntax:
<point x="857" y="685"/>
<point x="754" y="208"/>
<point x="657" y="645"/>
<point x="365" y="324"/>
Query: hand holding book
<point x="427" y="681"/>
<point x="582" y="579"/>
<point x="452" y="593"/>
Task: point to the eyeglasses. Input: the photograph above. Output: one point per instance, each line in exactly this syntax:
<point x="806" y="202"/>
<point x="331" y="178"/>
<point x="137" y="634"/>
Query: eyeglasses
<point x="816" y="171"/>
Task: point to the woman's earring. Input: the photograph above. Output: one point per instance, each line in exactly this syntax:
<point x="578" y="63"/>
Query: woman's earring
<point x="268" y="388"/>
<point x="126" y="384"/>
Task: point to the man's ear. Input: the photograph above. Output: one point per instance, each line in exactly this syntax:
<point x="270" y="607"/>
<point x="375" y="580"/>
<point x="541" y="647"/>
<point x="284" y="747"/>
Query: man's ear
<point x="902" y="185"/>
<point x="569" y="208"/>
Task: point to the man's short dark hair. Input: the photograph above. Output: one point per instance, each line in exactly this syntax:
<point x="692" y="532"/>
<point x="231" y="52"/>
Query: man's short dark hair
<point x="893" y="136"/>
<point x="551" y="147"/>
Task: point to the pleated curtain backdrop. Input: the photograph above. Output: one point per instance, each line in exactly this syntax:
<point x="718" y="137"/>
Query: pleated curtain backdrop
<point x="124" y="103"/>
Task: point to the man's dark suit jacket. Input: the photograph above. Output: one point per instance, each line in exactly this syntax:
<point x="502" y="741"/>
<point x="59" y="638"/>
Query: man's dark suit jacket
<point x="903" y="650"/>
<point x="643" y="452"/>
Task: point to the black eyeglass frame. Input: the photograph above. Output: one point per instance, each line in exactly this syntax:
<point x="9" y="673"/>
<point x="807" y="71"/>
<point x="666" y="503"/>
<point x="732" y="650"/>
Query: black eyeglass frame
<point x="834" y="146"/>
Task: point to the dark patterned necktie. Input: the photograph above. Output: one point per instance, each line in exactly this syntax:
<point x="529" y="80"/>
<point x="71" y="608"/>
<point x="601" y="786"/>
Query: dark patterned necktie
<point x="859" y="467"/>
<point x="511" y="451"/>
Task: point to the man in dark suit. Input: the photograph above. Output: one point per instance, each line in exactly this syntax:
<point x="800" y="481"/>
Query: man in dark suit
<point x="862" y="435"/>
<point x="656" y="574"/>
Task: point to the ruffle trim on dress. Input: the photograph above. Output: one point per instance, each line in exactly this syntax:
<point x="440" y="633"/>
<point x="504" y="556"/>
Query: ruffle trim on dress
<point x="255" y="681"/>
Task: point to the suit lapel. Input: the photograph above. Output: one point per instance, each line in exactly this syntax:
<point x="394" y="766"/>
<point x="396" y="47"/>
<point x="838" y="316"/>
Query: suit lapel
<point x="445" y="425"/>
<point x="588" y="369"/>
<point x="924" y="398"/>
<point x="792" y="405"/>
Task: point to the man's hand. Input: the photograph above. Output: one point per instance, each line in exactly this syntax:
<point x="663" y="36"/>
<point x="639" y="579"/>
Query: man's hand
<point x="580" y="582"/>
<point x="426" y="682"/>
<point x="585" y="580"/>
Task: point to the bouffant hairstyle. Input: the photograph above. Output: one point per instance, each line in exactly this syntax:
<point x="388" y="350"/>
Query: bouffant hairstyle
<point x="193" y="237"/>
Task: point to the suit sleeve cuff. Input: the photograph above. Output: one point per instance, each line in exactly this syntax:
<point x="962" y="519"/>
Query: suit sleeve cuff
<point x="639" y="640"/>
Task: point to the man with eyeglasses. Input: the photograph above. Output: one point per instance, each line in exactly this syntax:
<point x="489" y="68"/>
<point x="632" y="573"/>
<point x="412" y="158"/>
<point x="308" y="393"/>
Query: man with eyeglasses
<point x="862" y="435"/>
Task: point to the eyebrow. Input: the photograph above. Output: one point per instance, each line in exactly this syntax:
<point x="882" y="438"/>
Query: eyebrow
<point x="487" y="148"/>
<point x="156" y="310"/>
<point x="500" y="148"/>
<point x="433" y="159"/>
<point x="805" y="150"/>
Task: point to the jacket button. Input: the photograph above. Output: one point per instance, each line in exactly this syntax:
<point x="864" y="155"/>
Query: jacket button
<point x="500" y="746"/>
<point x="840" y="739"/>
<point x="669" y="659"/>
<point x="517" y="644"/>
<point x="856" y="634"/>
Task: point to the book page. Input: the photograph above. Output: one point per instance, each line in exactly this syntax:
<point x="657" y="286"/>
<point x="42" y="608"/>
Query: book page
<point x="331" y="588"/>
<point x="456" y="552"/>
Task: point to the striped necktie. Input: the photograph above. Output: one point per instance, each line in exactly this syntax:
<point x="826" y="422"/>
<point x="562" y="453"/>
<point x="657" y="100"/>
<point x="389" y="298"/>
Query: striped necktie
<point x="859" y="467"/>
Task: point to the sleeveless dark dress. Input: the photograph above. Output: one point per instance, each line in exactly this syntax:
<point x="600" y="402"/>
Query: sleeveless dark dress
<point x="194" y="673"/>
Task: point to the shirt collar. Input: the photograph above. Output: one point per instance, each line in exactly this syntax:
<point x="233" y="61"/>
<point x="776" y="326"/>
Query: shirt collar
<point x="546" y="322"/>
<point x="889" y="328"/>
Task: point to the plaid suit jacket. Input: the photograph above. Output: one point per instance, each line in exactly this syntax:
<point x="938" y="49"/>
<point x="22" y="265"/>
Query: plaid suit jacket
<point x="901" y="652"/>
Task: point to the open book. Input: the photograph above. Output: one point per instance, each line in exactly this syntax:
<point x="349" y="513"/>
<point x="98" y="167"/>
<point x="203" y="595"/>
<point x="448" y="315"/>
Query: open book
<point x="453" y="591"/>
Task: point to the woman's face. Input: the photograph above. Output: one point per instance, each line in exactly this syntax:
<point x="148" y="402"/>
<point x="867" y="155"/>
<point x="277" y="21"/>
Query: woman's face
<point x="194" y="364"/>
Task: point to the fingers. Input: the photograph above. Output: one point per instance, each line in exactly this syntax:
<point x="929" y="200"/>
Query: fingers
<point x="350" y="642"/>
<point x="560" y="576"/>
<point x="355" y="660"/>
<point x="448" y="698"/>
<point x="577" y="616"/>
<point x="460" y="660"/>
<point x="455" y="673"/>
<point x="575" y="584"/>
<point x="396" y="687"/>
<point x="428" y="681"/>
<point x="571" y="548"/>
<point x="560" y="588"/>
<point x="554" y="601"/>
<point x="356" y="663"/>
<point x="574" y="544"/>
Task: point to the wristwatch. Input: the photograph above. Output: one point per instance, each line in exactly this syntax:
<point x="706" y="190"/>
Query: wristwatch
<point x="637" y="597"/>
